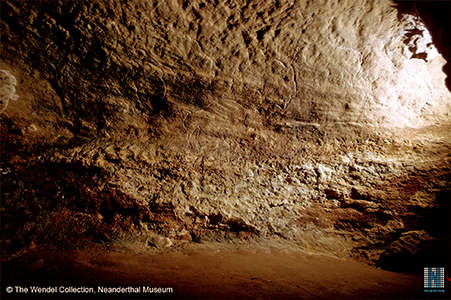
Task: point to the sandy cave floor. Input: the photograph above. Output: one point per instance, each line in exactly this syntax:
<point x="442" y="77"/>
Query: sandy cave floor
<point x="212" y="271"/>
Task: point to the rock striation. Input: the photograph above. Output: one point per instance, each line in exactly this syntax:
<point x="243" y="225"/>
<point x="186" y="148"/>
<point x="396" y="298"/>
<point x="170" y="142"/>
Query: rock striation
<point x="325" y="123"/>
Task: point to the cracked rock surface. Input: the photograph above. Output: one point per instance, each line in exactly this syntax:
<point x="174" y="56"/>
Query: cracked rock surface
<point x="323" y="123"/>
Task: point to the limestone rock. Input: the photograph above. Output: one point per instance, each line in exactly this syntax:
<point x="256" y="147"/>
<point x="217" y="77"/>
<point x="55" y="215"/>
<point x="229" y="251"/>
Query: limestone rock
<point x="310" y="121"/>
<point x="404" y="251"/>
<point x="7" y="89"/>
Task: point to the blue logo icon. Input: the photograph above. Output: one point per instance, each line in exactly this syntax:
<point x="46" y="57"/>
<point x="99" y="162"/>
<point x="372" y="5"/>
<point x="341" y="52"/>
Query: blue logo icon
<point x="434" y="280"/>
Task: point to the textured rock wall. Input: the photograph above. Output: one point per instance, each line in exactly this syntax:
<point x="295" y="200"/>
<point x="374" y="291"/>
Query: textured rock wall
<point x="435" y="15"/>
<point x="214" y="120"/>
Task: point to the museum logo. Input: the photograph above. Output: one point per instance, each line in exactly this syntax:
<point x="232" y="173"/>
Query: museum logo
<point x="434" y="280"/>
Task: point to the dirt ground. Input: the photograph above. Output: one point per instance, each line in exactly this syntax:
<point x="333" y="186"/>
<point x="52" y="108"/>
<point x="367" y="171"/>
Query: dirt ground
<point x="208" y="272"/>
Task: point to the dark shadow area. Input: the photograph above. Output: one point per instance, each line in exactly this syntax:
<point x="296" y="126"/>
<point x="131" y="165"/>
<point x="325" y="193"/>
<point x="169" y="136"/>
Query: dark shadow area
<point x="415" y="251"/>
<point x="436" y="15"/>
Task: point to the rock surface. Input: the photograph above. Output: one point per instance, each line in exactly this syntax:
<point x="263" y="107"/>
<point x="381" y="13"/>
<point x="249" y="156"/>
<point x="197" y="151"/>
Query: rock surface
<point x="319" y="122"/>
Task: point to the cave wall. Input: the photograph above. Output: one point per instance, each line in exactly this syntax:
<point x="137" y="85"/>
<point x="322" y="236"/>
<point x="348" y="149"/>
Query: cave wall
<point x="321" y="122"/>
<point x="435" y="15"/>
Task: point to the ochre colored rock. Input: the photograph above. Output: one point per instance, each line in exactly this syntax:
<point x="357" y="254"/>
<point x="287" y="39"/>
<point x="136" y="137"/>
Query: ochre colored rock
<point x="311" y="121"/>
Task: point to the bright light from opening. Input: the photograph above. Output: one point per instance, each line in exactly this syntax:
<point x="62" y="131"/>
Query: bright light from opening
<point x="412" y="92"/>
<point x="418" y="38"/>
